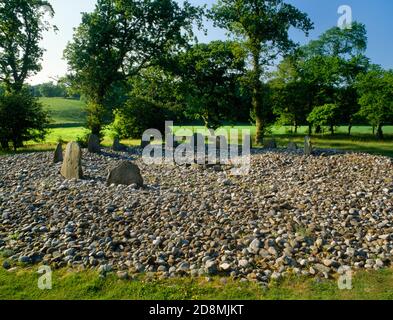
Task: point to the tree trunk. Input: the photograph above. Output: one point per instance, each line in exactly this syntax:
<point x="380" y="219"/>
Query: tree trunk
<point x="256" y="94"/>
<point x="15" y="145"/>
<point x="332" y="130"/>
<point x="349" y="129"/>
<point x="309" y="129"/>
<point x="380" y="132"/>
<point x="4" y="144"/>
<point x="296" y="127"/>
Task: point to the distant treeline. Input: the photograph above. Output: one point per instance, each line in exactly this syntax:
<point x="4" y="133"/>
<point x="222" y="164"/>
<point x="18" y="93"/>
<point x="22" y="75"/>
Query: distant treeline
<point x="52" y="90"/>
<point x="137" y="64"/>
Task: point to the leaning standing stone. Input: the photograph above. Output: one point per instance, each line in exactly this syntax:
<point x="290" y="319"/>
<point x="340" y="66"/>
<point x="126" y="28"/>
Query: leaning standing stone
<point x="72" y="164"/>
<point x="126" y="173"/>
<point x="307" y="146"/>
<point x="58" y="155"/>
<point x="94" y="144"/>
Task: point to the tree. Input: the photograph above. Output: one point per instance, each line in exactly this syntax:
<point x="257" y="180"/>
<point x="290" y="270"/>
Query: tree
<point x="22" y="24"/>
<point x="343" y="43"/>
<point x="290" y="94"/>
<point x="136" y="116"/>
<point x="153" y="97"/>
<point x="375" y="89"/>
<point x="22" y="118"/>
<point x="49" y="89"/>
<point x="264" y="25"/>
<point x="210" y="73"/>
<point x="117" y="40"/>
<point x="163" y="88"/>
<point x="326" y="115"/>
<point x="333" y="62"/>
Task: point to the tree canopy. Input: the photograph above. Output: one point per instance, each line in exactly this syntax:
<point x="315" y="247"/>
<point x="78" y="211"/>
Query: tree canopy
<point x="210" y="74"/>
<point x="120" y="38"/>
<point x="22" y="24"/>
<point x="264" y="27"/>
<point x="375" y="89"/>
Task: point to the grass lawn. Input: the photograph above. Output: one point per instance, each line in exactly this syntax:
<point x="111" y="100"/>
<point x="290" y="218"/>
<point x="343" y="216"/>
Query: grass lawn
<point x="361" y="140"/>
<point x="69" y="117"/>
<point x="87" y="285"/>
<point x="65" y="111"/>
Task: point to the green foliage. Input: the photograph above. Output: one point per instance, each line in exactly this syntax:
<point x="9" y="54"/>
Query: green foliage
<point x="322" y="72"/>
<point x="264" y="25"/>
<point x="22" y="118"/>
<point x="22" y="24"/>
<point x="49" y="90"/>
<point x="83" y="140"/>
<point x="332" y="64"/>
<point x="136" y="116"/>
<point x="117" y="40"/>
<point x="290" y="94"/>
<point x="344" y="43"/>
<point x="210" y="76"/>
<point x="326" y="115"/>
<point x="375" y="89"/>
<point x="162" y="88"/>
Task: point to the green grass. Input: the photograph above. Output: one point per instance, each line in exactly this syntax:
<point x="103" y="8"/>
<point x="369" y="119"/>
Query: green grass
<point x="65" y="111"/>
<point x="361" y="139"/>
<point x="87" y="285"/>
<point x="69" y="117"/>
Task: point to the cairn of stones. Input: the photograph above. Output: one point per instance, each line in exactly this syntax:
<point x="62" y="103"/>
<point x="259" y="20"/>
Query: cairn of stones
<point x="72" y="163"/>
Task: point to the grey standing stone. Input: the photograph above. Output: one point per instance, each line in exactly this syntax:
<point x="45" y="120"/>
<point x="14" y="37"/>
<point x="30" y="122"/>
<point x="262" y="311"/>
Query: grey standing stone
<point x="126" y="173"/>
<point x="292" y="146"/>
<point x="93" y="145"/>
<point x="117" y="146"/>
<point x="72" y="164"/>
<point x="307" y="146"/>
<point x="58" y="155"/>
<point x="271" y="144"/>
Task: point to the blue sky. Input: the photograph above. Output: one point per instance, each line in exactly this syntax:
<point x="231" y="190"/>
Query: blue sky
<point x="377" y="15"/>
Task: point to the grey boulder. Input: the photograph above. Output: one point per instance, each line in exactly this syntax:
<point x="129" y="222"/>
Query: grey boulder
<point x="126" y="173"/>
